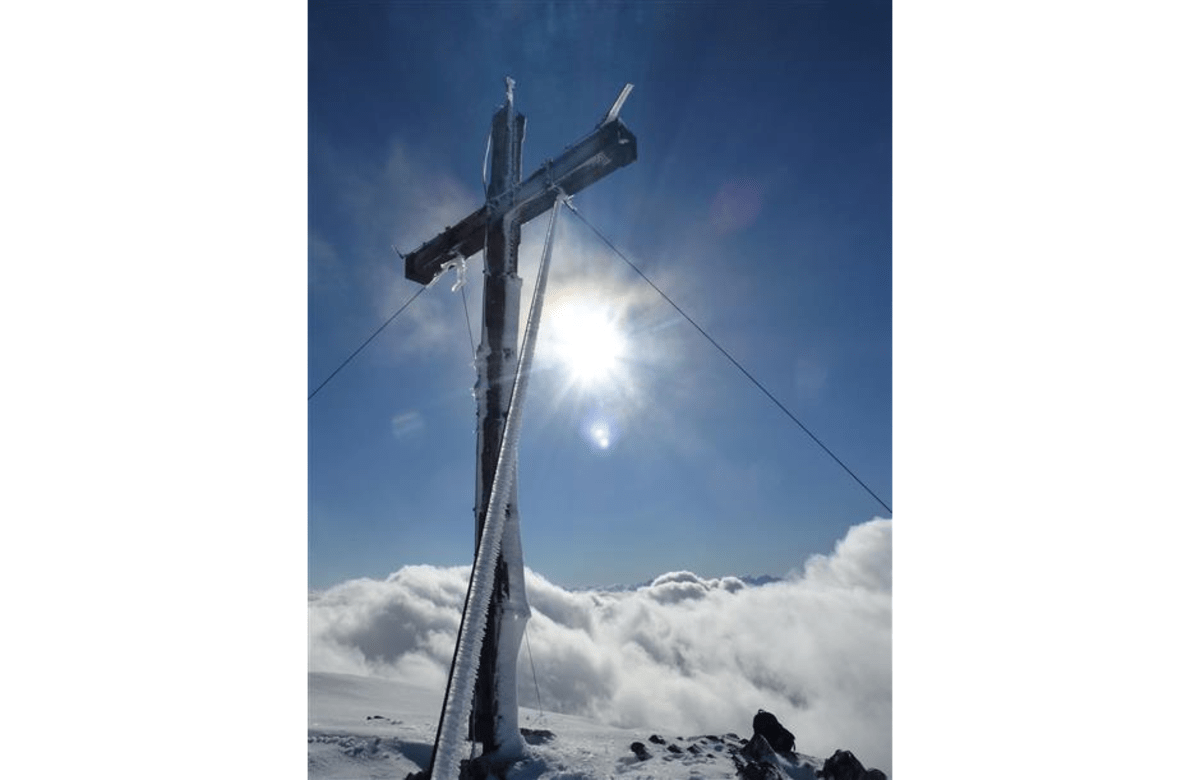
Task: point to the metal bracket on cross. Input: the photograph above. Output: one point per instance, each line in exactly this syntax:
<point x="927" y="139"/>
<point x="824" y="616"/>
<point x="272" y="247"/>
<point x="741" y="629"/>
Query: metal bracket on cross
<point x="616" y="107"/>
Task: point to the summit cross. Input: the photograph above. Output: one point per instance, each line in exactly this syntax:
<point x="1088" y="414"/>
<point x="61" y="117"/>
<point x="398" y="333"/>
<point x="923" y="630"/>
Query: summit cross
<point x="496" y="228"/>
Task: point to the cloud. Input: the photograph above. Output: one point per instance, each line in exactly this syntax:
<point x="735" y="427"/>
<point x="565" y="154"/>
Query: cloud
<point x="810" y="379"/>
<point x="398" y="199"/>
<point x="325" y="270"/>
<point x="863" y="559"/>
<point x="736" y="205"/>
<point x="407" y="423"/>
<point x="682" y="656"/>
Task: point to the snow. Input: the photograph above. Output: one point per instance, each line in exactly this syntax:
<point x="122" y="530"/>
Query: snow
<point x="366" y="727"/>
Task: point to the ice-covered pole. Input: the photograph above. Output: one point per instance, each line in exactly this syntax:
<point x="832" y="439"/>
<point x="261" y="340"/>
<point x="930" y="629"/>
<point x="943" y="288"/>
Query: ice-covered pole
<point x="497" y="366"/>
<point x="501" y="530"/>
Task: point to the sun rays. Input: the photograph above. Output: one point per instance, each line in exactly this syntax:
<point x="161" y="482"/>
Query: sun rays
<point x="586" y="339"/>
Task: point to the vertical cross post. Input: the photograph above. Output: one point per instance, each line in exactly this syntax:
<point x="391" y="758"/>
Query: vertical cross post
<point x="497" y="365"/>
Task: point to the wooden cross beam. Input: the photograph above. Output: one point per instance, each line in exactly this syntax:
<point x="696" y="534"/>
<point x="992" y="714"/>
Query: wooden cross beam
<point x="497" y="224"/>
<point x="609" y="147"/>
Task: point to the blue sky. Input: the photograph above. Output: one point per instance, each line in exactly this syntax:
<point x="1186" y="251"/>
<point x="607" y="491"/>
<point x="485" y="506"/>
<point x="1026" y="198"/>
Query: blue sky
<point x="760" y="202"/>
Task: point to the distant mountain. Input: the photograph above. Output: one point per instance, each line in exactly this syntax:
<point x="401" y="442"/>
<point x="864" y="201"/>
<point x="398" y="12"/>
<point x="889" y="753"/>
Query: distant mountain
<point x="761" y="579"/>
<point x="751" y="580"/>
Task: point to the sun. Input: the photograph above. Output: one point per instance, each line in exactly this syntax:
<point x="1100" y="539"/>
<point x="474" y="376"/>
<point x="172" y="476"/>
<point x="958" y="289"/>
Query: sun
<point x="586" y="340"/>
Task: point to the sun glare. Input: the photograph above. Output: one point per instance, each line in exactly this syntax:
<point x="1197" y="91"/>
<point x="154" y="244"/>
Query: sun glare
<point x="586" y="342"/>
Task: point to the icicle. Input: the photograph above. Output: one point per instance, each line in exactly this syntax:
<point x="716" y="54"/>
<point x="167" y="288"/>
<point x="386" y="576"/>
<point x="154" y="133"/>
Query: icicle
<point x="459" y="264"/>
<point x="466" y="664"/>
<point x="487" y="151"/>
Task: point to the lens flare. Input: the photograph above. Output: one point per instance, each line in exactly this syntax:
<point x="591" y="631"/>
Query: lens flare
<point x="599" y="429"/>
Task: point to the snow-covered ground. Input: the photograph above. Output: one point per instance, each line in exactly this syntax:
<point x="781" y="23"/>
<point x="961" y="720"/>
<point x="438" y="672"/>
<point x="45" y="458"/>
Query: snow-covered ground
<point x="362" y="727"/>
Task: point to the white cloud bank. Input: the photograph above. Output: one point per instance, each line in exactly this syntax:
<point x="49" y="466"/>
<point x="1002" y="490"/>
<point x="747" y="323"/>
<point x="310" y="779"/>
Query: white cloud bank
<point x="682" y="656"/>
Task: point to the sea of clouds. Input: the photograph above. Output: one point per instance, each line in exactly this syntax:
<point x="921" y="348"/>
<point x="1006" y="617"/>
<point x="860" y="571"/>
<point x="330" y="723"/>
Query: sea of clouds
<point x="682" y="656"/>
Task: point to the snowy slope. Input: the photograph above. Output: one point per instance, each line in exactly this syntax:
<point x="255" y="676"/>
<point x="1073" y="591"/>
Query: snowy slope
<point x="361" y="727"/>
<point x="364" y="727"/>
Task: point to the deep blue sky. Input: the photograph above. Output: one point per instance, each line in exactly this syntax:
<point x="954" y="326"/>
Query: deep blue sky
<point x="760" y="202"/>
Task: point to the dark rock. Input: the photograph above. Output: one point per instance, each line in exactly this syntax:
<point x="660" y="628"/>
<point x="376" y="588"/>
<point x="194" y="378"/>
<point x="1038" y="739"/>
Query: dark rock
<point x="695" y="751"/>
<point x="756" y="761"/>
<point x="757" y="771"/>
<point x="779" y="738"/>
<point x="478" y="769"/>
<point x="537" y="736"/>
<point x="843" y="765"/>
<point x="640" y="751"/>
<point x="758" y="749"/>
<point x="674" y="748"/>
<point x="657" y="739"/>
